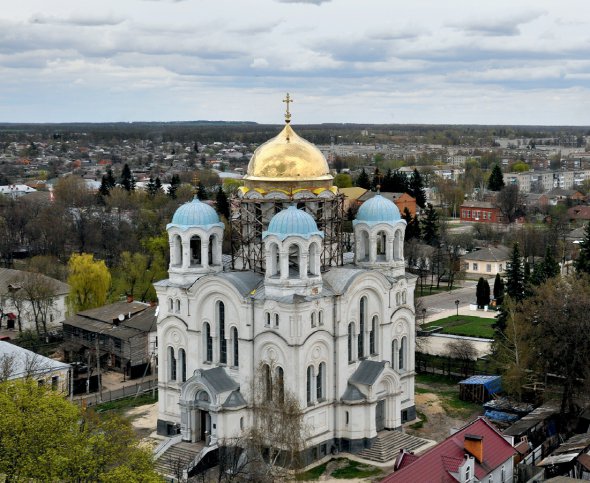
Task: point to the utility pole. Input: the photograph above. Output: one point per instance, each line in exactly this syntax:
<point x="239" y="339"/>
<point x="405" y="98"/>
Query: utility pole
<point x="98" y="367"/>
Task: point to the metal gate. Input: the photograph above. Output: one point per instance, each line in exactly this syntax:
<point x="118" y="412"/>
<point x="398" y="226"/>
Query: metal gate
<point x="380" y="415"/>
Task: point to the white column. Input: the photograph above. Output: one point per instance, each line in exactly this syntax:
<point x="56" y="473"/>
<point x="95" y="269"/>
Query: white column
<point x="372" y="248"/>
<point x="205" y="252"/>
<point x="284" y="261"/>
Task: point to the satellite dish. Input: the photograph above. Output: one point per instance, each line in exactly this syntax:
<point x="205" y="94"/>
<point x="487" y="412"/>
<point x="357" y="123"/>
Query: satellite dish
<point x="121" y="317"/>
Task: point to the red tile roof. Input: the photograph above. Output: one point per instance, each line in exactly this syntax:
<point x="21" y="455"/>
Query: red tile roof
<point x="436" y="464"/>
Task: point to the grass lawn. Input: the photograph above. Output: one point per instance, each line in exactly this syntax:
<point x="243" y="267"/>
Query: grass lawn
<point x="467" y="325"/>
<point x="311" y="474"/>
<point x="121" y="405"/>
<point x="354" y="469"/>
<point x="431" y="289"/>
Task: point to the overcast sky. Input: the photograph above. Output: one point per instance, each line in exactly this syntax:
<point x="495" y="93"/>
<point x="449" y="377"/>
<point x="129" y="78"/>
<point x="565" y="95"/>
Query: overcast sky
<point x="361" y="61"/>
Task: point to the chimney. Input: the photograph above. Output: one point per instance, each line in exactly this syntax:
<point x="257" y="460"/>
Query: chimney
<point x="129" y="298"/>
<point x="473" y="444"/>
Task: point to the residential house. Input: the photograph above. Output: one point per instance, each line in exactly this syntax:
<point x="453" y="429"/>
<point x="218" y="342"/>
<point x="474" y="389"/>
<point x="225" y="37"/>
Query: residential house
<point x="19" y="363"/>
<point x="486" y="261"/>
<point x="477" y="452"/>
<point x="124" y="333"/>
<point x="401" y="200"/>
<point x="579" y="213"/>
<point x="19" y="290"/>
<point x="480" y="212"/>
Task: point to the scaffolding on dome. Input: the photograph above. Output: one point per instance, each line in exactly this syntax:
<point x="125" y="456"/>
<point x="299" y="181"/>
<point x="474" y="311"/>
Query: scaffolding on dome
<point x="250" y="218"/>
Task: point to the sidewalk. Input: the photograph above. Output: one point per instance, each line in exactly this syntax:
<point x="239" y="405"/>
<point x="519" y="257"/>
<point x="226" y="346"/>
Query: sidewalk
<point x="490" y="314"/>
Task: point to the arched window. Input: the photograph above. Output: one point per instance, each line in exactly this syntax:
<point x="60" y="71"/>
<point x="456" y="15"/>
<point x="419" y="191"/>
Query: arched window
<point x="177" y="305"/>
<point x="373" y="336"/>
<point x="381" y="244"/>
<point x="402" y="353"/>
<point x="267" y="320"/>
<point x="321" y="382"/>
<point x="397" y="299"/>
<point x="267" y="381"/>
<point x="276" y="321"/>
<point x="321" y="317"/>
<point x="172" y="363"/>
<point x="182" y="357"/>
<point x="313" y="319"/>
<point x="274" y="260"/>
<point x="210" y="253"/>
<point x="208" y="343"/>
<point x="397" y="245"/>
<point x="361" y="335"/>
<point x="314" y="259"/>
<point x="281" y="384"/>
<point x="310" y="385"/>
<point x="365" y="251"/>
<point x="346" y="417"/>
<point x="171" y="304"/>
<point x="467" y="472"/>
<point x="350" y="342"/>
<point x="195" y="250"/>
<point x="394" y="354"/>
<point x="176" y="251"/>
<point x="222" y="339"/>
<point x="294" y="260"/>
<point x="404" y="296"/>
<point x="235" y="343"/>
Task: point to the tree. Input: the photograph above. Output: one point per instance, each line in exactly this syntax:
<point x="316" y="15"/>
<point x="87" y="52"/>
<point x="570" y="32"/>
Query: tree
<point x="89" y="282"/>
<point x="545" y="269"/>
<point x="151" y="187"/>
<point x="104" y="189"/>
<point x="202" y="192"/>
<point x="482" y="293"/>
<point x="110" y="179"/>
<point x="508" y="202"/>
<point x="174" y="184"/>
<point x="127" y="181"/>
<point x="413" y="225"/>
<point x="582" y="263"/>
<point x="40" y="292"/>
<point x="343" y="180"/>
<point x="222" y="203"/>
<point x="515" y="275"/>
<point x="465" y="352"/>
<point x="498" y="289"/>
<point x="377" y="179"/>
<point x="417" y="188"/>
<point x="47" y="438"/>
<point x="496" y="180"/>
<point x="430" y="226"/>
<point x="363" y="180"/>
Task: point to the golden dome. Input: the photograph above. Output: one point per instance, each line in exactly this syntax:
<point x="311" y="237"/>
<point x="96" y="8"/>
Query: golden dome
<point x="288" y="159"/>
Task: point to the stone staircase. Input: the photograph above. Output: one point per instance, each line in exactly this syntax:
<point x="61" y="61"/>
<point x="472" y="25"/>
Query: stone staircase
<point x="176" y="459"/>
<point x="388" y="444"/>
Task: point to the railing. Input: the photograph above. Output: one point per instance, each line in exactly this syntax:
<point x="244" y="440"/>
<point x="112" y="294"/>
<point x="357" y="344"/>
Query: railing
<point x="164" y="445"/>
<point x="197" y="459"/>
<point x="121" y="393"/>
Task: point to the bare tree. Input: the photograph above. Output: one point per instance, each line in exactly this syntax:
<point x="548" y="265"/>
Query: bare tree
<point x="39" y="291"/>
<point x="28" y="365"/>
<point x="509" y="202"/>
<point x="464" y="351"/>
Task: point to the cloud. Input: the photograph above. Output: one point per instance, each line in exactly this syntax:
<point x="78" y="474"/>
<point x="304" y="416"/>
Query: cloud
<point x="352" y="50"/>
<point x="312" y="2"/>
<point x="499" y="26"/>
<point x="259" y="63"/>
<point x="81" y="20"/>
<point x="256" y="28"/>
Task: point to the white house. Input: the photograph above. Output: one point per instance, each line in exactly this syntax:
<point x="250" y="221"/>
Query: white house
<point x="340" y="337"/>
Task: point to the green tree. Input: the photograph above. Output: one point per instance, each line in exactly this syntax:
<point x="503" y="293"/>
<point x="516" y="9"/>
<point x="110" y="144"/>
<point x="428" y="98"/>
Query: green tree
<point x="222" y="203"/>
<point x="104" y="188"/>
<point x="377" y="179"/>
<point x="110" y="179"/>
<point x="482" y="293"/>
<point x="343" y="180"/>
<point x="417" y="189"/>
<point x="89" y="282"/>
<point x="515" y="275"/>
<point x="413" y="225"/>
<point x="363" y="180"/>
<point x="498" y="289"/>
<point x="174" y="184"/>
<point x="134" y="276"/>
<point x="47" y="438"/>
<point x="151" y="187"/>
<point x="496" y="180"/>
<point x="582" y="263"/>
<point x="430" y="226"/>
<point x="202" y="192"/>
<point x="127" y="181"/>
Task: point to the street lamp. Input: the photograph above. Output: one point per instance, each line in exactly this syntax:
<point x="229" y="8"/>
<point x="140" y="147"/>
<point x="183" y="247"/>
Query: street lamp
<point x="457" y="302"/>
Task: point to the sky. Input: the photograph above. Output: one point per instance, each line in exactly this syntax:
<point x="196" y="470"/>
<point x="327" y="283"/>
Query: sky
<point x="342" y="61"/>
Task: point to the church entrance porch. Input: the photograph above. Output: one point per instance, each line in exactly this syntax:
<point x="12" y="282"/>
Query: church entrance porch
<point x="200" y="427"/>
<point x="380" y="415"/>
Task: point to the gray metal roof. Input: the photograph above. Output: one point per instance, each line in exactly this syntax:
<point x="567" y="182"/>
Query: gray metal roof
<point x="219" y="380"/>
<point x="352" y="394"/>
<point x="111" y="312"/>
<point x="244" y="281"/>
<point x="340" y="278"/>
<point x="16" y="278"/>
<point x="489" y="254"/>
<point x="367" y="372"/>
<point x="234" y="400"/>
<point x="167" y="283"/>
<point x="25" y="362"/>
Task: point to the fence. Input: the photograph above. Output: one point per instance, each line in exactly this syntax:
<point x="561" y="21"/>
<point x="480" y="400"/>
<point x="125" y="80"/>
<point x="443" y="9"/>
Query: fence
<point x="454" y="368"/>
<point x="123" y="392"/>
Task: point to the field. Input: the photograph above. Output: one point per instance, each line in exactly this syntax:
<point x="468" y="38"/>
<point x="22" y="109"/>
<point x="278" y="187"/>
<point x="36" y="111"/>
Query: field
<point x="466" y="325"/>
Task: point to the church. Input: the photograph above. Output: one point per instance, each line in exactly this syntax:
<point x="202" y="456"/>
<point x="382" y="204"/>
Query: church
<point x="327" y="316"/>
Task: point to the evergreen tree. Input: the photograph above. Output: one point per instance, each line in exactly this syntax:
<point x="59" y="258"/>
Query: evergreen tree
<point x="545" y="269"/>
<point x="202" y="192"/>
<point x="496" y="180"/>
<point x="412" y="227"/>
<point x="482" y="293"/>
<point x="158" y="184"/>
<point x="377" y="178"/>
<point x="417" y="189"/>
<point x="151" y="187"/>
<point x="526" y="279"/>
<point x="110" y="179"/>
<point x="127" y="182"/>
<point x="430" y="226"/>
<point x="582" y="263"/>
<point x="363" y="180"/>
<point x="515" y="276"/>
<point x="387" y="182"/>
<point x="104" y="189"/>
<point x="174" y="184"/>
<point x="399" y="182"/>
<point x="222" y="203"/>
<point x="498" y="289"/>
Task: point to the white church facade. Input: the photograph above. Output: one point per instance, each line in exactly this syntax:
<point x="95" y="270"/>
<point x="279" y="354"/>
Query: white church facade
<point x="336" y="331"/>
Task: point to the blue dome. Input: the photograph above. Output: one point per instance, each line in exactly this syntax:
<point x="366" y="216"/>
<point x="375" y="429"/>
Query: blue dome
<point x="195" y="213"/>
<point x="377" y="210"/>
<point x="292" y="222"/>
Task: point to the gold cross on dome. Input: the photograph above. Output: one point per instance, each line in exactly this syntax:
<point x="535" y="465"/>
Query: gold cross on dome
<point x="287" y="100"/>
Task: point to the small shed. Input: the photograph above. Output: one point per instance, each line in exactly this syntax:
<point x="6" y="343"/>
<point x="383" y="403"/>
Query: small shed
<point x="479" y="389"/>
